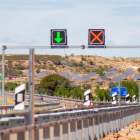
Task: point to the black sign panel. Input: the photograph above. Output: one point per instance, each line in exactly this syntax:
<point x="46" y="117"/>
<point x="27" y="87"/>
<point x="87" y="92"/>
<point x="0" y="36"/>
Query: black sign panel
<point x="96" y="37"/>
<point x="58" y="37"/>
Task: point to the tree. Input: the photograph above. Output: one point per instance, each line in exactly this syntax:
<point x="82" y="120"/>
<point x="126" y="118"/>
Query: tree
<point x="53" y="81"/>
<point x="132" y="88"/>
<point x="62" y="91"/>
<point x="11" y="86"/>
<point x="72" y="54"/>
<point x="77" y="93"/>
<point x="97" y="88"/>
<point x="104" y="93"/>
<point x="100" y="72"/>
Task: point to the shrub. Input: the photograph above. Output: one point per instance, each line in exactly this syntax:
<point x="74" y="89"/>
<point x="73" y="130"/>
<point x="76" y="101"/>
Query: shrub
<point x="74" y="64"/>
<point x="38" y="71"/>
<point x="20" y="67"/>
<point x="66" y="57"/>
<point x="111" y="84"/>
<point x="38" y="62"/>
<point x="83" y="59"/>
<point x="44" y="66"/>
<point x="91" y="62"/>
<point x="80" y="64"/>
<point x="44" y="63"/>
<point x="52" y="68"/>
<point x="86" y="86"/>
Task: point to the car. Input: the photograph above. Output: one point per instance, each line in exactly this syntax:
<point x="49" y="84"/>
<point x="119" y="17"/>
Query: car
<point x="39" y="97"/>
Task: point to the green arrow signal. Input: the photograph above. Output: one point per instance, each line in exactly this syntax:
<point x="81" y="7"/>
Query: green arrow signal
<point x="58" y="39"/>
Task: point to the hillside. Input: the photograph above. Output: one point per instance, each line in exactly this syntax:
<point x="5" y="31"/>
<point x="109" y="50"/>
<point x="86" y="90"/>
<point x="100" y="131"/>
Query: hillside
<point x="70" y="63"/>
<point x="18" y="65"/>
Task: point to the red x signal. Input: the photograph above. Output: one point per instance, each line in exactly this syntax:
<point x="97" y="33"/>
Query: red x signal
<point x="96" y="37"/>
<point x="10" y="77"/>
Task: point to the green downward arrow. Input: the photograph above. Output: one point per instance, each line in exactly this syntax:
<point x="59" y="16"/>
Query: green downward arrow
<point x="58" y="39"/>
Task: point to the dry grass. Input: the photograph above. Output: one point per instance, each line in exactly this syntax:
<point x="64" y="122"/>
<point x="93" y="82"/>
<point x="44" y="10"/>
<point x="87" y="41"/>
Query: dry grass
<point x="10" y="101"/>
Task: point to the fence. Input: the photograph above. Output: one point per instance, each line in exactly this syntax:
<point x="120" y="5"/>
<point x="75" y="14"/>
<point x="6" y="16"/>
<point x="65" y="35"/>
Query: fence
<point x="87" y="124"/>
<point x="10" y="108"/>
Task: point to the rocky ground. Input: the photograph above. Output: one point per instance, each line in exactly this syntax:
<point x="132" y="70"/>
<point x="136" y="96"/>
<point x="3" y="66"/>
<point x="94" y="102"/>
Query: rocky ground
<point x="130" y="132"/>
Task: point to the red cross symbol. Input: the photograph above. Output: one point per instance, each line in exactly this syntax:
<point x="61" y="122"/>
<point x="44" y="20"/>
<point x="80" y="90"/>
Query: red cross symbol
<point x="96" y="37"/>
<point x="10" y="77"/>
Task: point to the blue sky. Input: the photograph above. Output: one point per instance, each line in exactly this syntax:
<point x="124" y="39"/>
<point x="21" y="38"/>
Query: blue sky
<point x="28" y="23"/>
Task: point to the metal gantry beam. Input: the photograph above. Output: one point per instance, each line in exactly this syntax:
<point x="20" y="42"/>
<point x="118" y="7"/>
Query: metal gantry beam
<point x="69" y="47"/>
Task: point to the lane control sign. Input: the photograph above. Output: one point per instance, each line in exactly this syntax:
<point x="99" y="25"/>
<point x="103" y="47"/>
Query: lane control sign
<point x="58" y="37"/>
<point x="96" y="37"/>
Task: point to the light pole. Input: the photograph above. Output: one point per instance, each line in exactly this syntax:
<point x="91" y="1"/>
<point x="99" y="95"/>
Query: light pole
<point x="3" y="75"/>
<point x="119" y="79"/>
<point x="31" y="92"/>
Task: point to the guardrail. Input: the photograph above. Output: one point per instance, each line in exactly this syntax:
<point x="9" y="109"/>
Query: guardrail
<point x="10" y="108"/>
<point x="76" y="100"/>
<point x="85" y="124"/>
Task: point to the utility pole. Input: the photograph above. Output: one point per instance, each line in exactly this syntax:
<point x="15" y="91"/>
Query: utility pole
<point x="25" y="86"/>
<point x="119" y="90"/>
<point x="139" y="94"/>
<point x="3" y="75"/>
<point x="31" y="92"/>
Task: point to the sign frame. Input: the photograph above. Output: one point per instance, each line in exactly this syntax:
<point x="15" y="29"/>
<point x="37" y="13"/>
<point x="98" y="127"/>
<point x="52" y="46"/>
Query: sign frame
<point x="53" y="45"/>
<point x="96" y="45"/>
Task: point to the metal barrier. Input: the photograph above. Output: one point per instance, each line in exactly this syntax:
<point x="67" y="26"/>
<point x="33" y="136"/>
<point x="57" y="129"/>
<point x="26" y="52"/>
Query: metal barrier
<point x="85" y="124"/>
<point x="10" y="108"/>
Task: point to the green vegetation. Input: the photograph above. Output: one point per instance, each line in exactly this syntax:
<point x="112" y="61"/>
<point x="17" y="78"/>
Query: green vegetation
<point x="83" y="58"/>
<point x="11" y="86"/>
<point x="52" y="68"/>
<point x="86" y="86"/>
<point x="91" y="63"/>
<point x="55" y="84"/>
<point x="132" y="89"/>
<point x="80" y="64"/>
<point x="38" y="71"/>
<point x="72" y="54"/>
<point x="56" y="59"/>
<point x="53" y="81"/>
<point x="99" y="71"/>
